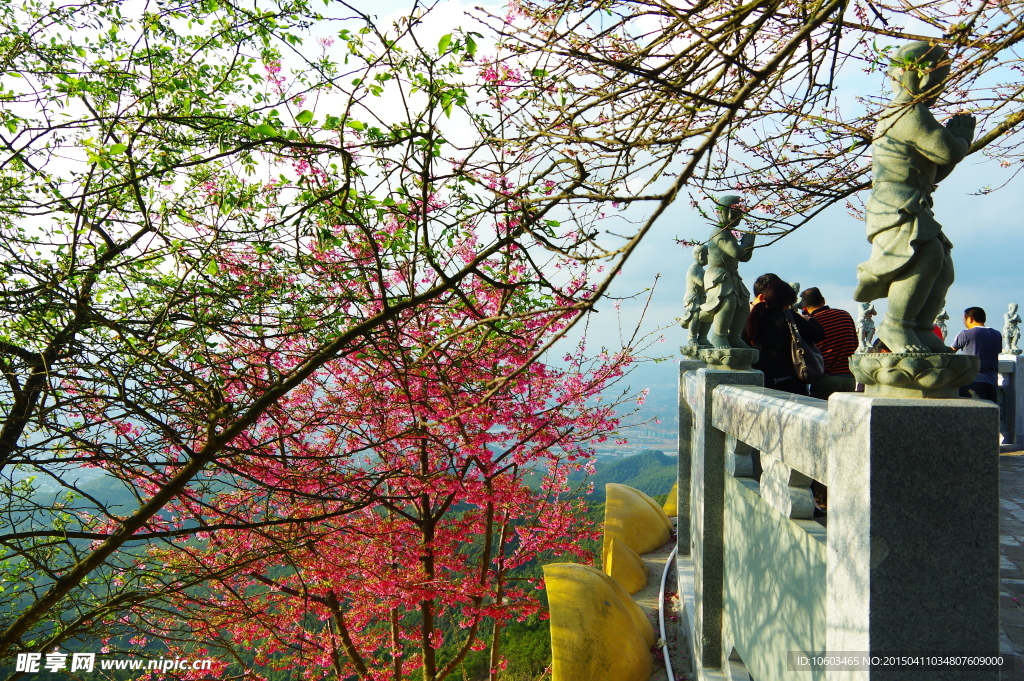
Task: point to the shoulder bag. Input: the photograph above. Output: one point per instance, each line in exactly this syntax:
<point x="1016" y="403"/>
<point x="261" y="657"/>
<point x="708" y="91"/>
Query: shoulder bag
<point x="808" y="364"/>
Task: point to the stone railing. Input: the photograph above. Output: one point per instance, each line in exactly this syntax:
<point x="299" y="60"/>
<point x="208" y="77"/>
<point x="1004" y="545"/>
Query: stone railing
<point x="909" y="564"/>
<point x="1010" y="392"/>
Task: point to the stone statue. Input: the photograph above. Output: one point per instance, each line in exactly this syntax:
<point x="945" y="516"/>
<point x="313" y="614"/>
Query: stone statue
<point x="866" y="326"/>
<point x="727" y="301"/>
<point x="1011" y="331"/>
<point x="910" y="260"/>
<point x="694" y="297"/>
<point x="940" y="322"/>
<point x="910" y="256"/>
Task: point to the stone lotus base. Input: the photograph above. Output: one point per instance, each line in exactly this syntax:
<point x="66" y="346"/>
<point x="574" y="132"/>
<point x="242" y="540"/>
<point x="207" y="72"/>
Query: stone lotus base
<point x="691" y="351"/>
<point x="914" y="374"/>
<point x="729" y="358"/>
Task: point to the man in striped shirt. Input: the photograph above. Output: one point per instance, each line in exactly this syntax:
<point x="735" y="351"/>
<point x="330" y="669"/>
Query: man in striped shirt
<point x="840" y="342"/>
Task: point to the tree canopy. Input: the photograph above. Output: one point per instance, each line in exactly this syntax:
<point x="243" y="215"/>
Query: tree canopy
<point x="198" y="217"/>
<point x="754" y="97"/>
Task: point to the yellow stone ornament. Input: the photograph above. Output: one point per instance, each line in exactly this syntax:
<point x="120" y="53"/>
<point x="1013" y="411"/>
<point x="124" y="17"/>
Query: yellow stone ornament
<point x="597" y="632"/>
<point x="635" y="519"/>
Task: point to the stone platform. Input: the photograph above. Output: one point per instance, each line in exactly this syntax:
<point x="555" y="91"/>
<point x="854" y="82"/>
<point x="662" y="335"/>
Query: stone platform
<point x="1011" y="558"/>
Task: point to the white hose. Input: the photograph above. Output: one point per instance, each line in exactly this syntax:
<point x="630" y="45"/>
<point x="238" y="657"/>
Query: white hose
<point x="661" y="613"/>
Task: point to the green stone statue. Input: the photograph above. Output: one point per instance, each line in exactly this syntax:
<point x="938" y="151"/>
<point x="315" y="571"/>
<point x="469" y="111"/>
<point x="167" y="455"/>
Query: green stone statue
<point x="694" y="297"/>
<point x="727" y="300"/>
<point x="910" y="256"/>
<point x="866" y="326"/>
<point x="940" y="322"/>
<point x="1011" y="331"/>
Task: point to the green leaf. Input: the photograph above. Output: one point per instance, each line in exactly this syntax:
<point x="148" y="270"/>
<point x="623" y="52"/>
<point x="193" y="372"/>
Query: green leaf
<point x="356" y="125"/>
<point x="470" y="45"/>
<point x="305" y="117"/>
<point x="444" y="42"/>
<point x="118" y="148"/>
<point x="266" y="130"/>
<point x="212" y="269"/>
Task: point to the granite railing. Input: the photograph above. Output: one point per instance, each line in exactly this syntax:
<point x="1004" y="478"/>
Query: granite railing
<point x="1010" y="392"/>
<point x="908" y="565"/>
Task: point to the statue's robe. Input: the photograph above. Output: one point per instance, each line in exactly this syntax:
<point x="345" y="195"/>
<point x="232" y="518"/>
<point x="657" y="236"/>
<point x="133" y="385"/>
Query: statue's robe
<point x="911" y="153"/>
<point x="720" y="285"/>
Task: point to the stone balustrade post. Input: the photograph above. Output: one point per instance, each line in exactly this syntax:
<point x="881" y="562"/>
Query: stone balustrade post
<point x="1012" y="383"/>
<point x="786" y="489"/>
<point x="739" y="458"/>
<point x="683" y="475"/>
<point x="913" y="532"/>
<point x="706" y="498"/>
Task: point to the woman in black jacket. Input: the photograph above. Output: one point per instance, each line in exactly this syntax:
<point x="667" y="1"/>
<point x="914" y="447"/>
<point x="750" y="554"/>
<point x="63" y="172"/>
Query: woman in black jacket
<point x="768" y="331"/>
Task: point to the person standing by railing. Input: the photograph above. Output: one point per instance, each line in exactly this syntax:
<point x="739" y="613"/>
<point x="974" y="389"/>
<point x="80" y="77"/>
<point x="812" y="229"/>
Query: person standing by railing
<point x="768" y="331"/>
<point x="839" y="343"/>
<point x="978" y="339"/>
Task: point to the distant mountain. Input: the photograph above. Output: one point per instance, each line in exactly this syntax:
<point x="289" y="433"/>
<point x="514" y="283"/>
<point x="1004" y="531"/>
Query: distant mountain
<point x="649" y="471"/>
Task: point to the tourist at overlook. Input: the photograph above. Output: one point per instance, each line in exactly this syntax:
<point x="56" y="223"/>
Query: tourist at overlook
<point x="978" y="339"/>
<point x="840" y="342"/>
<point x="768" y="331"/>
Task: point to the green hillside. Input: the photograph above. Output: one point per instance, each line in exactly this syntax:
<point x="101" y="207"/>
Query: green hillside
<point x="649" y="471"/>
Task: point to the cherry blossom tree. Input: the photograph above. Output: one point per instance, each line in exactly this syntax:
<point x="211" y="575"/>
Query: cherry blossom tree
<point x="199" y="218"/>
<point x="440" y="432"/>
